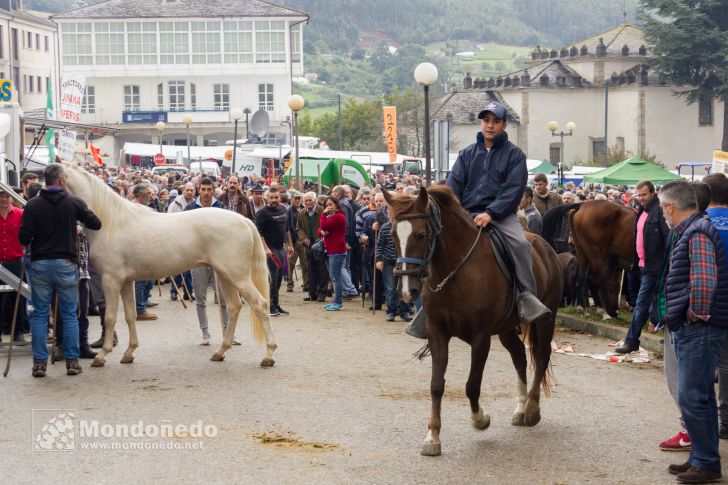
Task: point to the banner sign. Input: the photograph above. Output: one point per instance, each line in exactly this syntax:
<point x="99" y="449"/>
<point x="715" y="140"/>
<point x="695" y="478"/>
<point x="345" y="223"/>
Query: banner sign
<point x="72" y="89"/>
<point x="390" y="131"/>
<point x="147" y="117"/>
<point x="6" y="90"/>
<point x="720" y="160"/>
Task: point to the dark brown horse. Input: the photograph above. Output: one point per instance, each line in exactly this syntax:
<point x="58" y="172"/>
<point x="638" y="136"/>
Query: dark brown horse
<point x="603" y="233"/>
<point x="466" y="295"/>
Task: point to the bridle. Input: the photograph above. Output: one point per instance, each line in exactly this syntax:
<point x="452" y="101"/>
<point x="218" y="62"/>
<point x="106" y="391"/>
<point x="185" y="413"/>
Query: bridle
<point x="434" y="226"/>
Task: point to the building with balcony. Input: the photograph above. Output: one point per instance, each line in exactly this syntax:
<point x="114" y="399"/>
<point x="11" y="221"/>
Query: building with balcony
<point x="158" y="60"/>
<point x="28" y="56"/>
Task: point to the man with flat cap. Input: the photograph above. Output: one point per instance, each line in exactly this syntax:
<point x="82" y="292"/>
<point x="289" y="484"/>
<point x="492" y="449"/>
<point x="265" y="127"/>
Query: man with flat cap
<point x="489" y="177"/>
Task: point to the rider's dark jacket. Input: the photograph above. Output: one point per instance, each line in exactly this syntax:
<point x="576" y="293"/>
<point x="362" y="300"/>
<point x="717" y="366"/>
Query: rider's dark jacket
<point x="492" y="180"/>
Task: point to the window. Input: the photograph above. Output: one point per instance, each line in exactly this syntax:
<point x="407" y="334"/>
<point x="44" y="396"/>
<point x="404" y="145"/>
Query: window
<point x="131" y="98"/>
<point x="30" y="40"/>
<point x="193" y="96"/>
<point x="2" y="45"/>
<point x="88" y="105"/>
<point x="206" y="43"/>
<point x="160" y="95"/>
<point x="31" y="84"/>
<point x="174" y="43"/>
<point x="238" y="42"/>
<point x="598" y="146"/>
<point x="46" y="43"/>
<point x="270" y="42"/>
<point x="77" y="44"/>
<point x="15" y="44"/>
<point x="176" y="95"/>
<point x="142" y="42"/>
<point x="37" y="42"/>
<point x="265" y="97"/>
<point x="296" y="43"/>
<point x="221" y="96"/>
<point x="47" y="83"/>
<point x="555" y="154"/>
<point x="705" y="111"/>
<point x="109" y="43"/>
<point x="25" y="83"/>
<point x="40" y="86"/>
<point x="22" y="36"/>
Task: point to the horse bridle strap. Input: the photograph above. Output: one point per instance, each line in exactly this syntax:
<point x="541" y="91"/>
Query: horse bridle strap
<point x="434" y="224"/>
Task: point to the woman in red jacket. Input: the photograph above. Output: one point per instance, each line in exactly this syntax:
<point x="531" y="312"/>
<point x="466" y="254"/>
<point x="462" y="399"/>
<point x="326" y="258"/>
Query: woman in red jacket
<point x="333" y="231"/>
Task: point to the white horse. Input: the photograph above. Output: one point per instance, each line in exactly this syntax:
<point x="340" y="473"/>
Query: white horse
<point x="136" y="243"/>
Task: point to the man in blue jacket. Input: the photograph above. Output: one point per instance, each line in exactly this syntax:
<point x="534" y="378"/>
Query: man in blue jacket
<point x="489" y="177"/>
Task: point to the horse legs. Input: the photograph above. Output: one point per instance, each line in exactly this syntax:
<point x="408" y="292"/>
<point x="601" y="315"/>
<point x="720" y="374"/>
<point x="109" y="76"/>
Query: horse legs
<point x="439" y="348"/>
<point x="515" y="347"/>
<point x="233" y="303"/>
<point x="541" y="335"/>
<point x="111" y="295"/>
<point x="128" y="299"/>
<point x="259" y="306"/>
<point x="478" y="355"/>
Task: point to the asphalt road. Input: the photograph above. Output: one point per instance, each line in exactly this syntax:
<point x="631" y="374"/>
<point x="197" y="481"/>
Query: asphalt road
<point x="345" y="403"/>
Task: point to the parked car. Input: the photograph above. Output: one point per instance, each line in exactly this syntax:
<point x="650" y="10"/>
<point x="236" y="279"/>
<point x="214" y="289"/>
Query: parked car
<point x="205" y="168"/>
<point x="170" y="168"/>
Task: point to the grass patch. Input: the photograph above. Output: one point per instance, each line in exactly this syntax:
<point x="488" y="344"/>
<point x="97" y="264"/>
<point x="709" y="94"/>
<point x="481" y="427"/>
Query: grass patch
<point x="624" y="318"/>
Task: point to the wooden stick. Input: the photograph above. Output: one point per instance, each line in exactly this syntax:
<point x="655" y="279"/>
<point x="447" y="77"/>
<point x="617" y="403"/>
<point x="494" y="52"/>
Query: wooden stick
<point x="159" y="285"/>
<point x="181" y="298"/>
<point x="184" y="285"/>
<point x="14" y="322"/>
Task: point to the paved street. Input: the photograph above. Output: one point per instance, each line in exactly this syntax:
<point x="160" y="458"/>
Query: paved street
<point x="345" y="403"/>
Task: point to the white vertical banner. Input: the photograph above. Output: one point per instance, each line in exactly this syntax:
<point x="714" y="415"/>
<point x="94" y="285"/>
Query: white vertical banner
<point x="72" y="89"/>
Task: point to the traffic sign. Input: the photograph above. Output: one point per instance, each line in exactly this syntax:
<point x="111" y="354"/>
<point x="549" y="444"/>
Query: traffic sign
<point x="159" y="159"/>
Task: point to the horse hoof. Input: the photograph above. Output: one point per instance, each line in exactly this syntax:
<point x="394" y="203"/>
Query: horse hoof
<point x="481" y="420"/>
<point x="127" y="359"/>
<point x="431" y="449"/>
<point x="216" y="357"/>
<point x="531" y="419"/>
<point x="267" y="362"/>
<point x="518" y="419"/>
<point x="98" y="362"/>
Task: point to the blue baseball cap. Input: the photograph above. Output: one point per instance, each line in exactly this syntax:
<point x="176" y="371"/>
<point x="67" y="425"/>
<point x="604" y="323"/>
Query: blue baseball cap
<point x="494" y="107"/>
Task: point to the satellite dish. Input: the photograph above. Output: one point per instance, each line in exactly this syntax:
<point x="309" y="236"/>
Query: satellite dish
<point x="259" y="123"/>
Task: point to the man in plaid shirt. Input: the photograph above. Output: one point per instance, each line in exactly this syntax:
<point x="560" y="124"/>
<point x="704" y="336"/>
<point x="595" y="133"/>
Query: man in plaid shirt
<point x="696" y="292"/>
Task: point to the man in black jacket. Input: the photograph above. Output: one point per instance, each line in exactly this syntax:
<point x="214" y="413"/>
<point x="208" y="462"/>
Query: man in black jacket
<point x="489" y="177"/>
<point x="49" y="227"/>
<point x="651" y="233"/>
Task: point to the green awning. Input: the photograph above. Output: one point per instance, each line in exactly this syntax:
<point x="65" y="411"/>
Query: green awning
<point x="631" y="171"/>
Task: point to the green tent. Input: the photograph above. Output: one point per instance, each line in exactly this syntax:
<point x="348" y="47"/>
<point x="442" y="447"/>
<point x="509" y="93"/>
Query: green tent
<point x="631" y="171"/>
<point x="544" y="167"/>
<point x="333" y="172"/>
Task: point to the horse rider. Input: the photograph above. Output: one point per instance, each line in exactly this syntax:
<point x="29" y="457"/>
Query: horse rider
<point x="489" y="178"/>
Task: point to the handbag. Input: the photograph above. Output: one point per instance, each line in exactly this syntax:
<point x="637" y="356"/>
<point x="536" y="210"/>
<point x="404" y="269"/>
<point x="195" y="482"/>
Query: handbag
<point x="318" y="251"/>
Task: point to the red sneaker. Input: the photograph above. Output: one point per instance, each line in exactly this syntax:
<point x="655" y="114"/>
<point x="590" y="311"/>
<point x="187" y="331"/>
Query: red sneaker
<point x="679" y="442"/>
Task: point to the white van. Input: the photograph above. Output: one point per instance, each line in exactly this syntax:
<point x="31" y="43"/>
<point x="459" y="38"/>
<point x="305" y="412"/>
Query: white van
<point x="205" y="168"/>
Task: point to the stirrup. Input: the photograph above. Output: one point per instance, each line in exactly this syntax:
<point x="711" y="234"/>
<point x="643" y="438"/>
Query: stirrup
<point x="416" y="328"/>
<point x="530" y="308"/>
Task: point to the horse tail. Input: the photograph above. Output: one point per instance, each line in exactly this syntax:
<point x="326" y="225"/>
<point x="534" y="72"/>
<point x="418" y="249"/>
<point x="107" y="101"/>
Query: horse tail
<point x="540" y="350"/>
<point x="259" y="274"/>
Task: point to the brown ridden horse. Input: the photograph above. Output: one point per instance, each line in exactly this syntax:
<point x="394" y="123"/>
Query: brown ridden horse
<point x="603" y="233"/>
<point x="466" y="295"/>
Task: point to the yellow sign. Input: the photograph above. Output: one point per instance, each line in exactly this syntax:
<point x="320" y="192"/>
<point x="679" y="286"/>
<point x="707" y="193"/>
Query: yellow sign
<point x="6" y="90"/>
<point x="720" y="160"/>
<point x="390" y="131"/>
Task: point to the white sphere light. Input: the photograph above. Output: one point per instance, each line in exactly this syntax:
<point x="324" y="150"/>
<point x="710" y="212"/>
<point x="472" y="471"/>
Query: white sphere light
<point x="570" y="126"/>
<point x="295" y="102"/>
<point x="160" y="125"/>
<point x="236" y="114"/>
<point x="553" y="126"/>
<point x="187" y="119"/>
<point x="426" y="74"/>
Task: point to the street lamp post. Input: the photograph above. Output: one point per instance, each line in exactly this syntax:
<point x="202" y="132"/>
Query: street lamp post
<point x="247" y="112"/>
<point x="296" y="102"/>
<point x="426" y="75"/>
<point x="187" y="120"/>
<point x="339" y="132"/>
<point x="553" y="128"/>
<point x="235" y="115"/>
<point x="606" y="122"/>
<point x="160" y="128"/>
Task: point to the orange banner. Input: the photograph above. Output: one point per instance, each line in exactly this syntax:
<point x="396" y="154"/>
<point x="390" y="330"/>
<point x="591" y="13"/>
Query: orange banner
<point x="390" y="131"/>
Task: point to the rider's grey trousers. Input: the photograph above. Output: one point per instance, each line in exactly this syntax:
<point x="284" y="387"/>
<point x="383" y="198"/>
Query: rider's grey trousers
<point x="520" y="249"/>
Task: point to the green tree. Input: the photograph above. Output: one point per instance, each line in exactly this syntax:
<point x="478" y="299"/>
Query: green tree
<point x="690" y="39"/>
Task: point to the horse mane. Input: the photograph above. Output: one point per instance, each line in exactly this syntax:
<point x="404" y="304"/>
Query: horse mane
<point x="443" y="197"/>
<point x="113" y="210"/>
<point x="552" y="221"/>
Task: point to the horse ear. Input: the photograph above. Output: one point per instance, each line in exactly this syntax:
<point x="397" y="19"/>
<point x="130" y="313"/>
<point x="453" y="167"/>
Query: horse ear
<point x="422" y="199"/>
<point x="387" y="196"/>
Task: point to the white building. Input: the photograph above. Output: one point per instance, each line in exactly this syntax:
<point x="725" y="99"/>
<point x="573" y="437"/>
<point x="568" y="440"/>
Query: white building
<point x="28" y="56"/>
<point x="158" y="60"/>
<point x="568" y="84"/>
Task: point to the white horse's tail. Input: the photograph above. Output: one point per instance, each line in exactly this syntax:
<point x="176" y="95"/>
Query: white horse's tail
<point x="259" y="272"/>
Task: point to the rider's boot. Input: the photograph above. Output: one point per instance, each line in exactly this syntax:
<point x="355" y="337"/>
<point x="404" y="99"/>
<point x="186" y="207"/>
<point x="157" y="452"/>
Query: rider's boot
<point x="530" y="308"/>
<point x="416" y="328"/>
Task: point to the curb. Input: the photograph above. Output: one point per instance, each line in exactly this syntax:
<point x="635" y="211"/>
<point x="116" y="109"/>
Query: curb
<point x="602" y="329"/>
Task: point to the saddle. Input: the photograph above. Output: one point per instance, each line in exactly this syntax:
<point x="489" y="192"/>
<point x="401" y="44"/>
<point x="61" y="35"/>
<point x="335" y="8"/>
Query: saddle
<point x="504" y="258"/>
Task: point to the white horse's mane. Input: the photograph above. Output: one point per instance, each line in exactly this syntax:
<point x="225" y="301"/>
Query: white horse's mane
<point x="113" y="209"/>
